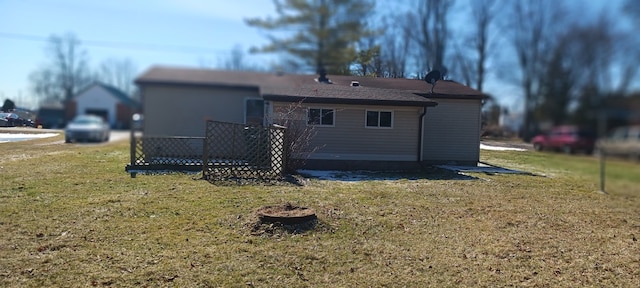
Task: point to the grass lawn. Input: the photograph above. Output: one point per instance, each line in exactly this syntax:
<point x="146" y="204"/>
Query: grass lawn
<point x="71" y="216"/>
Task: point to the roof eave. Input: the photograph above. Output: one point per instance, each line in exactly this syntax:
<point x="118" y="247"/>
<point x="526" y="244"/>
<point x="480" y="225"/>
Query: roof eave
<point x="193" y="84"/>
<point x="457" y="96"/>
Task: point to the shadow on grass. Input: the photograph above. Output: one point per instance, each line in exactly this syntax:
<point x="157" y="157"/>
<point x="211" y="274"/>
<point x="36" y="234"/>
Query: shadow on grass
<point x="277" y="229"/>
<point x="303" y="176"/>
<point x="483" y="167"/>
<point x="427" y="173"/>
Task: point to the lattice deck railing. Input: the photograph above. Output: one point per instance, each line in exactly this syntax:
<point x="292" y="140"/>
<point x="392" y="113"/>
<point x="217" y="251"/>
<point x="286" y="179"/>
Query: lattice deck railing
<point x="166" y="153"/>
<point x="228" y="151"/>
<point x="236" y="151"/>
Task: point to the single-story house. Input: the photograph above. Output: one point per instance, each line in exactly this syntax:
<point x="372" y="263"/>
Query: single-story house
<point x="359" y="122"/>
<point x="100" y="99"/>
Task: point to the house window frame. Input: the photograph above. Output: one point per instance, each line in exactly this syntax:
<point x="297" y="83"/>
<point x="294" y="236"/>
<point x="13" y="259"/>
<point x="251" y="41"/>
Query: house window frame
<point x="333" y="120"/>
<point x="366" y="118"/>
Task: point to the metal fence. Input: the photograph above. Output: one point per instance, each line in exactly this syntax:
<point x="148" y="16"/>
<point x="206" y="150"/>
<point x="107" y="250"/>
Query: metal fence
<point x="228" y="151"/>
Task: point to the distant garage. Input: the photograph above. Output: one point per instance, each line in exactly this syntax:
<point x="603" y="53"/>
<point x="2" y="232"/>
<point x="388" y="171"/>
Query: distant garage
<point x="105" y="101"/>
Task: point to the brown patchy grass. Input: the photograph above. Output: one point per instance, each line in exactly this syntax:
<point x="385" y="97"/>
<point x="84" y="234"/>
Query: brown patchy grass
<point x="71" y="216"/>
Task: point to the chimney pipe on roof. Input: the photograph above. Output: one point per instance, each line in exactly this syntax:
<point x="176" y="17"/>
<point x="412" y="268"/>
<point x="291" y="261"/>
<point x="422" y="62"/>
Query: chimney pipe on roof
<point x="323" y="76"/>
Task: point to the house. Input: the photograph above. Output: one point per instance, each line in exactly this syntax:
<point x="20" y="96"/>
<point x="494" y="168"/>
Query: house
<point x="103" y="100"/>
<point x="359" y="122"/>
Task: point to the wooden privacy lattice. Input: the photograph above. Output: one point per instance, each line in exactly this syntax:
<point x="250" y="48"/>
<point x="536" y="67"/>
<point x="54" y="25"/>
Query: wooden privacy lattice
<point x="237" y="151"/>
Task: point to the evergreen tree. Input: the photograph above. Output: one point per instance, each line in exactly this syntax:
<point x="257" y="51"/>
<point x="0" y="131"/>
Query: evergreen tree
<point x="325" y="32"/>
<point x="8" y="105"/>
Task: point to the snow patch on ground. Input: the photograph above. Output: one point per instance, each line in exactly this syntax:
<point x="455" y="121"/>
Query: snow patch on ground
<point x="12" y="137"/>
<point x="496" y="148"/>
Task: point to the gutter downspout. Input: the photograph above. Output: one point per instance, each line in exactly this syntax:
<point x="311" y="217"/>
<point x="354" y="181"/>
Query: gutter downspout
<point x="421" y="133"/>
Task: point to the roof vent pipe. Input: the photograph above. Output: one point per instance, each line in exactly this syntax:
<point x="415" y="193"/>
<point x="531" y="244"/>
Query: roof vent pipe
<point x="323" y="76"/>
<point x="355" y="83"/>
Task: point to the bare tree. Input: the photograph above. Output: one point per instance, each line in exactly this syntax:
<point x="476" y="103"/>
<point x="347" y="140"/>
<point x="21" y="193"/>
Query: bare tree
<point x="118" y="73"/>
<point x="557" y="85"/>
<point x="394" y="48"/>
<point x="632" y="9"/>
<point x="470" y="54"/>
<point x="431" y="23"/>
<point x="462" y="65"/>
<point x="596" y="57"/>
<point x="298" y="144"/>
<point x="533" y="26"/>
<point x="65" y="73"/>
<point x="592" y="53"/>
<point x="482" y="15"/>
<point x="236" y="60"/>
<point x="629" y="43"/>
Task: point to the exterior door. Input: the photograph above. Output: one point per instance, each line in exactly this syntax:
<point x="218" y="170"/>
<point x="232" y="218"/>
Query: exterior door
<point x="254" y="112"/>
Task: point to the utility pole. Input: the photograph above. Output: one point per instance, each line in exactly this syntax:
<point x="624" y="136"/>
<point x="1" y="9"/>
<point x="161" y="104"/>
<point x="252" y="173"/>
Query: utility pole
<point x="602" y="127"/>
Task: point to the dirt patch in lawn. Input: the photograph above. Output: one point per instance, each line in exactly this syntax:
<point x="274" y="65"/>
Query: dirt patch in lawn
<point x="278" y="220"/>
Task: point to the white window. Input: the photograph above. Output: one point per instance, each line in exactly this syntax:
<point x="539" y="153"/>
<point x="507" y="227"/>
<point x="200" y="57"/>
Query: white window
<point x="379" y="119"/>
<point x="320" y="116"/>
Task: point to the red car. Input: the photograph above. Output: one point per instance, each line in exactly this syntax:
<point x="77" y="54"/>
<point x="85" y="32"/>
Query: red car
<point x="567" y="139"/>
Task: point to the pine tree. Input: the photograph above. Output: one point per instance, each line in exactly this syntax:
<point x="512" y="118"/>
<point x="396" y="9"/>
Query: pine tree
<point x="325" y="32"/>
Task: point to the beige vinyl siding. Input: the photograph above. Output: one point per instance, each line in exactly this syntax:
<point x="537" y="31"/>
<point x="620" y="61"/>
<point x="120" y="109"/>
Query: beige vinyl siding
<point x="349" y="139"/>
<point x="183" y="110"/>
<point x="452" y="131"/>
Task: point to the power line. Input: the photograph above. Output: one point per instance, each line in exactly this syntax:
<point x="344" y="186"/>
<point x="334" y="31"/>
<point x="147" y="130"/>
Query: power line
<point x="123" y="45"/>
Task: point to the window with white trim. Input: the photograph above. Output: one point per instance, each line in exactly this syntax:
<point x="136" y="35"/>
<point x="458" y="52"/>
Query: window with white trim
<point x="379" y="119"/>
<point x="320" y="116"/>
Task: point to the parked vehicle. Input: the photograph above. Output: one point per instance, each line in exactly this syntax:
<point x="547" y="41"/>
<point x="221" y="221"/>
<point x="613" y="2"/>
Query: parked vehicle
<point x="12" y="119"/>
<point x="87" y="128"/>
<point x="567" y="139"/>
<point x="624" y="142"/>
<point x="50" y="118"/>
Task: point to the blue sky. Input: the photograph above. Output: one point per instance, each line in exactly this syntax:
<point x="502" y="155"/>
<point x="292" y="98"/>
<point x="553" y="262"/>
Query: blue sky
<point x="178" y="32"/>
<point x="174" y="32"/>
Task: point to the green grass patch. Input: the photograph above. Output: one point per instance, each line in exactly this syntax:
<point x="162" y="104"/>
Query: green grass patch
<point x="71" y="216"/>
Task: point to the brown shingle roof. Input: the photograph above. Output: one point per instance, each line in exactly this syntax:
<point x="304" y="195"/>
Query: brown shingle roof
<point x="296" y="87"/>
<point x="329" y="93"/>
<point x="443" y="89"/>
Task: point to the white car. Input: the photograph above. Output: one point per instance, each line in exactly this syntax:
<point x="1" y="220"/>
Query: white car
<point x="623" y="142"/>
<point x="87" y="128"/>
